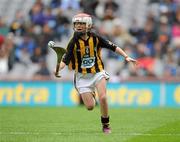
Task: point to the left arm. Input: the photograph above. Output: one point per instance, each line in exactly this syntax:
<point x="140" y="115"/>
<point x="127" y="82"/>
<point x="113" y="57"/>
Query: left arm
<point x="121" y="52"/>
<point x="126" y="57"/>
<point x="109" y="45"/>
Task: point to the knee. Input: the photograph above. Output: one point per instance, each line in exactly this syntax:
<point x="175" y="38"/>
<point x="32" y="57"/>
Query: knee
<point x="103" y="97"/>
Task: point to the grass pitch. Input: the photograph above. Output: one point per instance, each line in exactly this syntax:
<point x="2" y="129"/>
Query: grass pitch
<point x="76" y="124"/>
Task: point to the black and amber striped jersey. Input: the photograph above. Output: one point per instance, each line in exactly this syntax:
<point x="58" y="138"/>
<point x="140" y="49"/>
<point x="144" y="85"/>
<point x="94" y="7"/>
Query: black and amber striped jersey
<point x="84" y="56"/>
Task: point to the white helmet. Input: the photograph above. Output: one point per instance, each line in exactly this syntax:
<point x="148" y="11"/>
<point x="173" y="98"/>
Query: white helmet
<point x="84" y="18"/>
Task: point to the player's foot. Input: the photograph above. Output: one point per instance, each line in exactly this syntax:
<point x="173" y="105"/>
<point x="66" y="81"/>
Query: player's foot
<point x="106" y="129"/>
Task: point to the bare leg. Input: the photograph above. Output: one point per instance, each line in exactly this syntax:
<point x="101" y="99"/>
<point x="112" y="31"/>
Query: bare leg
<point x="101" y="89"/>
<point x="88" y="100"/>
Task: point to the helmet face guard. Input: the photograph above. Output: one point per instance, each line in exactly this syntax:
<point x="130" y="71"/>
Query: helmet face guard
<point x="83" y="18"/>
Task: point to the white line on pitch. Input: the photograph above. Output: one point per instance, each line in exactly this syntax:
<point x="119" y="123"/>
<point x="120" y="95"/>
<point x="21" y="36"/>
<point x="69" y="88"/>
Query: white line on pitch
<point x="28" y="133"/>
<point x="150" y="134"/>
<point x="59" y="133"/>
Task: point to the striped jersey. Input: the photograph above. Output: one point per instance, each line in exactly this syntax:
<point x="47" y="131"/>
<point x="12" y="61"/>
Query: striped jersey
<point x="84" y="56"/>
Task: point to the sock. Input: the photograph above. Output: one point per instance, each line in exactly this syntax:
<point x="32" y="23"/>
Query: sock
<point x="105" y="120"/>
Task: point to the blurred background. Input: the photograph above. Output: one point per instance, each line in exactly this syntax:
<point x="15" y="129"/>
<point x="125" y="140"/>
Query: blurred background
<point x="148" y="30"/>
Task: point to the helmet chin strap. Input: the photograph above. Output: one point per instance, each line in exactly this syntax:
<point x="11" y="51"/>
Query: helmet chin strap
<point x="84" y="33"/>
<point x="79" y="33"/>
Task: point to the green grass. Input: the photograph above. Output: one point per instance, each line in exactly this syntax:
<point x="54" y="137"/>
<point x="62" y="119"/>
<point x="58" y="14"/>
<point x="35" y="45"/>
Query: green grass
<point x="59" y="124"/>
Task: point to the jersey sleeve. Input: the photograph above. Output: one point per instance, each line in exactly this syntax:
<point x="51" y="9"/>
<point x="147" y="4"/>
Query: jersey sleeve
<point x="69" y="52"/>
<point x="103" y="43"/>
